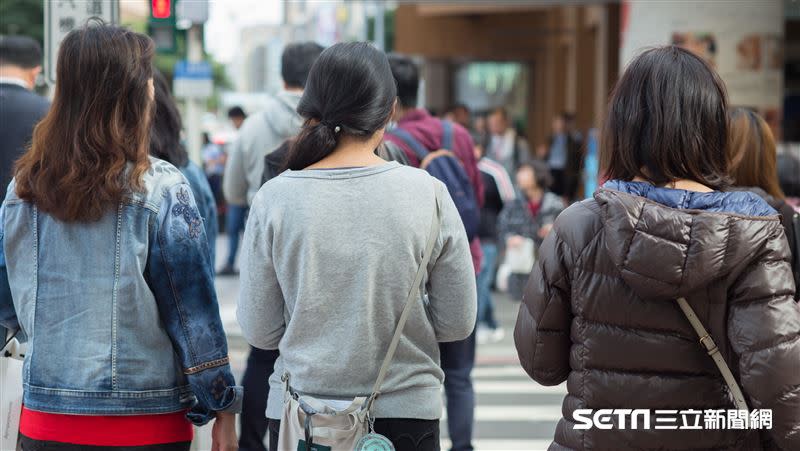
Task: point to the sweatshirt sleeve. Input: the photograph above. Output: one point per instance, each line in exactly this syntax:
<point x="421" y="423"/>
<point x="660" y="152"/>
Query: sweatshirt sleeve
<point x="260" y="310"/>
<point x="543" y="324"/>
<point x="451" y="284"/>
<point x="764" y="332"/>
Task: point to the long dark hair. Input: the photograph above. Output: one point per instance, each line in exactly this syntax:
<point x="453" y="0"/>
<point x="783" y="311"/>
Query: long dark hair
<point x="165" y="134"/>
<point x="666" y="120"/>
<point x="350" y="89"/>
<point x="99" y="121"/>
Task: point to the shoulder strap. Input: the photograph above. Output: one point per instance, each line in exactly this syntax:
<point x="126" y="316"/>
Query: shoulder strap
<point x="447" y="135"/>
<point x="436" y="223"/>
<point x="713" y="351"/>
<point x="419" y="150"/>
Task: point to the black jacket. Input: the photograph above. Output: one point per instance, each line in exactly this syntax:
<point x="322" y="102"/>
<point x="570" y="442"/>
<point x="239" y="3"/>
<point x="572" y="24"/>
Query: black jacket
<point x="20" y="110"/>
<point x="599" y="312"/>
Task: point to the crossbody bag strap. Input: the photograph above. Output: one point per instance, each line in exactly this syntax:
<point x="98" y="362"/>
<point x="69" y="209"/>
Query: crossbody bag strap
<point x="713" y="351"/>
<point x="436" y="223"/>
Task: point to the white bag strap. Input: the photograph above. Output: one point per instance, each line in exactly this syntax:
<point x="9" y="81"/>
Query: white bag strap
<point x="713" y="351"/>
<point x="436" y="223"/>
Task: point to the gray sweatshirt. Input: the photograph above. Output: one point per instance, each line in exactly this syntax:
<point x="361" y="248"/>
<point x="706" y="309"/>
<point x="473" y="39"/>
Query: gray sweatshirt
<point x="329" y="257"/>
<point x="261" y="133"/>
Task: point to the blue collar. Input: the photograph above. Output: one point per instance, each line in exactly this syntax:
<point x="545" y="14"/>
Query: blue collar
<point x="739" y="202"/>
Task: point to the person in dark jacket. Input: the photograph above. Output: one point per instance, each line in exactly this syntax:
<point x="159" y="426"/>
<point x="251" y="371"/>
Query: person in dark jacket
<point x="165" y="143"/>
<point x="530" y="216"/>
<point x="600" y="308"/>
<point x="20" y="64"/>
<point x="753" y="156"/>
<point x="565" y="156"/>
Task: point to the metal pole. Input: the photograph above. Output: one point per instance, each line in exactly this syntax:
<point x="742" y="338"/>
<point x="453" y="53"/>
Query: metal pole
<point x="380" y="33"/>
<point x="194" y="106"/>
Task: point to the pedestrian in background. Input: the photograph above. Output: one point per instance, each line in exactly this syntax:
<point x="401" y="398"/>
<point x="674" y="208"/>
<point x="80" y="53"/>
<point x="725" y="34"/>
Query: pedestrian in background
<point x="330" y="251"/>
<point x="214" y="158"/>
<point x="20" y="64"/>
<point x="753" y="166"/>
<point x="165" y="143"/>
<point x="525" y="222"/>
<point x="457" y="358"/>
<point x="498" y="192"/>
<point x="261" y="133"/>
<point x="564" y="156"/>
<point x="504" y="145"/>
<point x="600" y="309"/>
<point x="237" y="116"/>
<point x="109" y="270"/>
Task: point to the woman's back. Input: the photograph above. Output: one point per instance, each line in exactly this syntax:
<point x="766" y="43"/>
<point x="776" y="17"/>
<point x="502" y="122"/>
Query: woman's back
<point x="614" y="266"/>
<point x="107" y="280"/>
<point x="333" y="257"/>
<point x="600" y="307"/>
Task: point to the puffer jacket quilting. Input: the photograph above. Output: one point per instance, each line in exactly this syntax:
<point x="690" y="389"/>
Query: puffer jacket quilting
<point x="599" y="312"/>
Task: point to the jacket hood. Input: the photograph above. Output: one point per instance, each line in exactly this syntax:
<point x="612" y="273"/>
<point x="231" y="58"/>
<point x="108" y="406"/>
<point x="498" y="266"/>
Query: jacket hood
<point x="668" y="243"/>
<point x="281" y="115"/>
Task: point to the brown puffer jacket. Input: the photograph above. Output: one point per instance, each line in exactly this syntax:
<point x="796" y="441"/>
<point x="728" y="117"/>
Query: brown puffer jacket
<point x="599" y="312"/>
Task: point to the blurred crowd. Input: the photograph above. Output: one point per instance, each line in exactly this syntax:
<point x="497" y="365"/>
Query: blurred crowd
<point x="316" y="181"/>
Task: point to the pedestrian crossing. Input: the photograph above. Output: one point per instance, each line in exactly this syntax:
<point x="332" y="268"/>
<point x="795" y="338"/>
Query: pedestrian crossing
<point x="512" y="412"/>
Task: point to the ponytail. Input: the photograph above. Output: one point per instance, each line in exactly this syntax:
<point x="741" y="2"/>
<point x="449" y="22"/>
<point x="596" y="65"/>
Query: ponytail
<point x="350" y="91"/>
<point x="315" y="142"/>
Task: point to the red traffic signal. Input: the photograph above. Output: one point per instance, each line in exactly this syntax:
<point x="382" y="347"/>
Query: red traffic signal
<point x="161" y="9"/>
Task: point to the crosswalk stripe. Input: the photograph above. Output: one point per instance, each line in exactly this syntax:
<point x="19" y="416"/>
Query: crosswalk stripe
<point x="499" y="371"/>
<point x="514" y="413"/>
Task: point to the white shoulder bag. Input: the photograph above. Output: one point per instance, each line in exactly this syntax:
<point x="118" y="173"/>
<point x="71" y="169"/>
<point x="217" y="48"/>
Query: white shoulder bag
<point x="11" y="357"/>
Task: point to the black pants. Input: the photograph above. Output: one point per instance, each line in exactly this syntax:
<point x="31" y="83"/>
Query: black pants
<point x="405" y="434"/>
<point x="29" y="444"/>
<point x="255" y="383"/>
<point x="559" y="185"/>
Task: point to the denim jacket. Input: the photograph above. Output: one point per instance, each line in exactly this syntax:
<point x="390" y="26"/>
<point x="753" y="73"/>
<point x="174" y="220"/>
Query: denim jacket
<point x="120" y="315"/>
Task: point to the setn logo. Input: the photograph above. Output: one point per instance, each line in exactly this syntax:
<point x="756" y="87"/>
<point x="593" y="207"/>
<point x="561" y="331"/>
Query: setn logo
<point x="605" y="418"/>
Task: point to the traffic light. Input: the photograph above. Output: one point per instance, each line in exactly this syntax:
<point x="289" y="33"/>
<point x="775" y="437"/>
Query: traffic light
<point x="161" y="9"/>
<point x="161" y="25"/>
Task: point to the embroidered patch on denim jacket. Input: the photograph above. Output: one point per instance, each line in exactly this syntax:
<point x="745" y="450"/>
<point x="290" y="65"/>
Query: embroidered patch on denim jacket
<point x="188" y="212"/>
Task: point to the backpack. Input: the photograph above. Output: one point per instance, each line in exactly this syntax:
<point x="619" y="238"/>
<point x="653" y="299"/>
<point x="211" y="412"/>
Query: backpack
<point x="445" y="166"/>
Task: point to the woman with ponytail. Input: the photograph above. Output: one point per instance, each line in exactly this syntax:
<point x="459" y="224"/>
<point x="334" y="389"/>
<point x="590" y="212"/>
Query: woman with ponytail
<point x="331" y="249"/>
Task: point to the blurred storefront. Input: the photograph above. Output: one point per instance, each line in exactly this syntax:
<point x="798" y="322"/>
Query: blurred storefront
<point x="536" y="58"/>
<point x="539" y="58"/>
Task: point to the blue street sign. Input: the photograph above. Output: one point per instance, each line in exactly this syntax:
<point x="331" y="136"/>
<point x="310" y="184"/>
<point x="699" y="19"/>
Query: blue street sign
<point x="194" y="70"/>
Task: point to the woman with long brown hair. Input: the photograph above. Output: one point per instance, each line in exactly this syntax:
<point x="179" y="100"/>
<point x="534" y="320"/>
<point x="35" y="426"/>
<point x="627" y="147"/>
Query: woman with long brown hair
<point x="109" y="270"/>
<point x="753" y="160"/>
